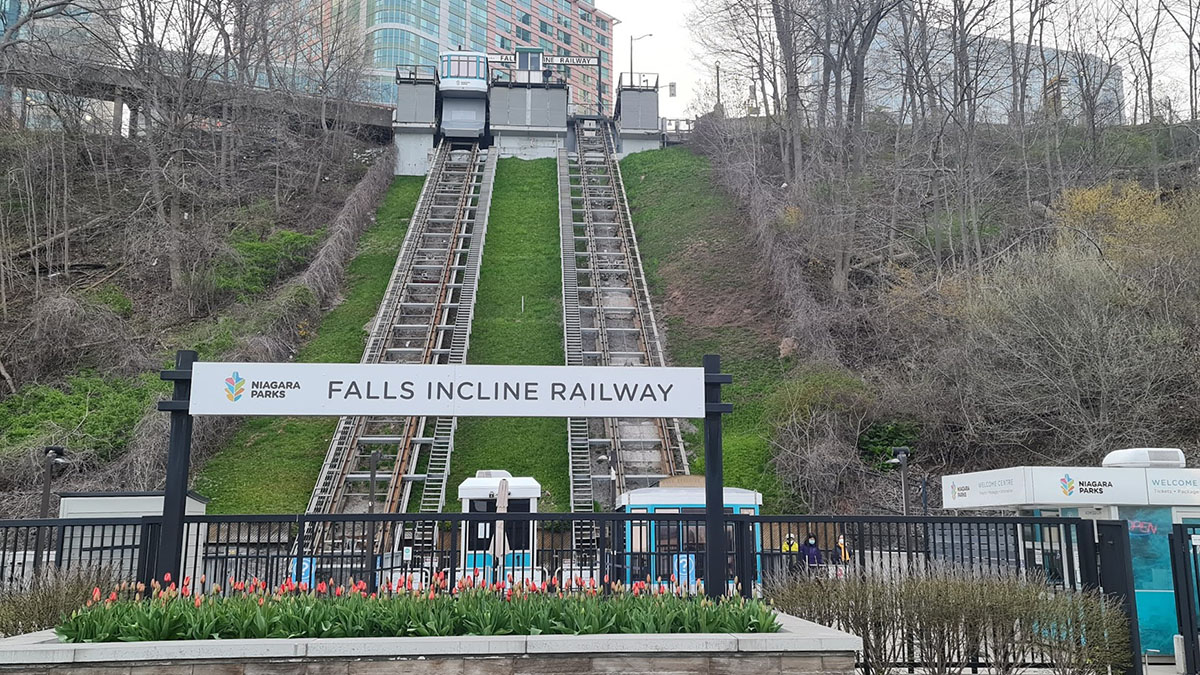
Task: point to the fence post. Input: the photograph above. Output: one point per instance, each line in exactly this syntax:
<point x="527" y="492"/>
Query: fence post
<point x="147" y="548"/>
<point x="179" y="452"/>
<point x="601" y="545"/>
<point x="747" y="571"/>
<point x="1089" y="564"/>
<point x="1183" y="576"/>
<point x="1116" y="580"/>
<point x="301" y="524"/>
<point x="715" y="557"/>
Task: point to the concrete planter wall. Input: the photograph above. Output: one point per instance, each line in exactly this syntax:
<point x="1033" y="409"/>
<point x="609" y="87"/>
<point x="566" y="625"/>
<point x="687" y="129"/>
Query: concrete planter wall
<point x="802" y="647"/>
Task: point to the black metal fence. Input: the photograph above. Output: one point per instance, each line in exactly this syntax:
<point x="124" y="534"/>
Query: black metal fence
<point x="561" y="549"/>
<point x="1185" y="576"/>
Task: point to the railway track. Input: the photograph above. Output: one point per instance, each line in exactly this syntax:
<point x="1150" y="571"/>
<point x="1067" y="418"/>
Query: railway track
<point x="425" y="317"/>
<point x="607" y="321"/>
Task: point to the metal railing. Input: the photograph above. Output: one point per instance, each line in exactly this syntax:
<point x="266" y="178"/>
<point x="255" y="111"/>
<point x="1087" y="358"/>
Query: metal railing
<point x="542" y="548"/>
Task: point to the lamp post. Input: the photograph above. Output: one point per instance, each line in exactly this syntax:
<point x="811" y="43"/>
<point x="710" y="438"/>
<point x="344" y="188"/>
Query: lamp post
<point x="900" y="456"/>
<point x="54" y="455"/>
<point x="718" y="84"/>
<point x="631" y="41"/>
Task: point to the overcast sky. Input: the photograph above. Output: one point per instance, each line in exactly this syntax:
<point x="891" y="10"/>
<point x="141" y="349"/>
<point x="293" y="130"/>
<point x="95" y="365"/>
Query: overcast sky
<point x="669" y="52"/>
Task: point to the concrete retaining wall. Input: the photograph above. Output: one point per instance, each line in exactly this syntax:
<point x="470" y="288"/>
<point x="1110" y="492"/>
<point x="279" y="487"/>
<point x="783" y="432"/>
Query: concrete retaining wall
<point x="801" y="648"/>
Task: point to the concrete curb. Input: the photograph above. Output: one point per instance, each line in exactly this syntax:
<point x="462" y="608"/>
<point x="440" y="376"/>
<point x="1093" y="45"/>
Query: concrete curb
<point x="797" y="637"/>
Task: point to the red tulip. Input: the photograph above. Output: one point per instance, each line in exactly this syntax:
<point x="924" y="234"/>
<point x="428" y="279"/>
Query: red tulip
<point x="338" y="592"/>
<point x="167" y="578"/>
<point x="96" y="594"/>
<point x="321" y="588"/>
<point x="197" y="603"/>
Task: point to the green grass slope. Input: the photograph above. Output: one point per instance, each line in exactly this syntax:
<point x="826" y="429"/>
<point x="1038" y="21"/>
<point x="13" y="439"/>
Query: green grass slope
<point x="700" y="268"/>
<point x="271" y="465"/>
<point x="520" y="261"/>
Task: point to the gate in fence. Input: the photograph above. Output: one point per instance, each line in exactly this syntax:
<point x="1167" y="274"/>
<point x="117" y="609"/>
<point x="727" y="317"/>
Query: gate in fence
<point x="1185" y="575"/>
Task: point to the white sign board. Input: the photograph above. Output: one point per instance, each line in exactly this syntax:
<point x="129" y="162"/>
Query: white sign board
<point x="1070" y="485"/>
<point x="1002" y="487"/>
<point x="336" y="389"/>
<point x="571" y="60"/>
<point x="502" y="58"/>
<point x="1173" y="487"/>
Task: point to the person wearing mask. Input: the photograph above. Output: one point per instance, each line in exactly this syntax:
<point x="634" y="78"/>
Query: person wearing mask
<point x="842" y="552"/>
<point x="791" y="553"/>
<point x="810" y="553"/>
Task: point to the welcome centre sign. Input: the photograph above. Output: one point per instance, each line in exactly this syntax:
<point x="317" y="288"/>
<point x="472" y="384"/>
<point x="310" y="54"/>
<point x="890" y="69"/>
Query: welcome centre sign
<point x="336" y="389"/>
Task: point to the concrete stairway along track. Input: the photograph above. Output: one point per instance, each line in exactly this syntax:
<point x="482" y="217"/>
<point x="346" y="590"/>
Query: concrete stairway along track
<point x="607" y="321"/>
<point x="425" y="317"/>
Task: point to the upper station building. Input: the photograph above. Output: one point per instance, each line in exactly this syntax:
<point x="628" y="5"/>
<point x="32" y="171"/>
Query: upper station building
<point x="517" y="104"/>
<point x="415" y="31"/>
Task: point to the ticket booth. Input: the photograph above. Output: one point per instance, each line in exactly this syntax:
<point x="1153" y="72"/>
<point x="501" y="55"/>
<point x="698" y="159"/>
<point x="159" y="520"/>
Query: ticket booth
<point x="1150" y="488"/>
<point x="497" y="548"/>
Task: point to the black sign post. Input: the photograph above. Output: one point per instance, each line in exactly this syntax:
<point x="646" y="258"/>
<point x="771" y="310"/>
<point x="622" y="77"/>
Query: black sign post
<point x="716" y="557"/>
<point x="179" y="453"/>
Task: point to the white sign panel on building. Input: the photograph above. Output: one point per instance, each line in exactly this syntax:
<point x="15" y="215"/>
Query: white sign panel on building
<point x="1087" y="485"/>
<point x="1000" y="487"/>
<point x="336" y="389"/>
<point x="1173" y="487"/>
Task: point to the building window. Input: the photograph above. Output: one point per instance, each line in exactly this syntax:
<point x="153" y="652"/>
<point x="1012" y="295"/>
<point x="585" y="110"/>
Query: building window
<point x="602" y="24"/>
<point x="504" y="25"/>
<point x="564" y="37"/>
<point x="503" y="8"/>
<point x="524" y="35"/>
<point x="584" y="15"/>
<point x="545" y="28"/>
<point x="603" y="40"/>
<point x="504" y="43"/>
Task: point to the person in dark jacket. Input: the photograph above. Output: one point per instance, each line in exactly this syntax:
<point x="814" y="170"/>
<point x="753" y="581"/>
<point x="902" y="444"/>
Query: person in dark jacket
<point x="809" y="553"/>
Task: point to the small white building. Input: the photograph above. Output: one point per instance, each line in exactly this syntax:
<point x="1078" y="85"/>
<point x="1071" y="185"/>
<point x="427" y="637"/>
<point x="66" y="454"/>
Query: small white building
<point x="1150" y="488"/>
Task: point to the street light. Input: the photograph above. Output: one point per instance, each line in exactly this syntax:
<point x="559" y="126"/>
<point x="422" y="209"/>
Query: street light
<point x="900" y="456"/>
<point x="54" y="455"/>
<point x="631" y="41"/>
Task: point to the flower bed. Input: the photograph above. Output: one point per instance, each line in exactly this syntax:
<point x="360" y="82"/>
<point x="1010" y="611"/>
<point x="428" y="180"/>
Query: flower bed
<point x="251" y="610"/>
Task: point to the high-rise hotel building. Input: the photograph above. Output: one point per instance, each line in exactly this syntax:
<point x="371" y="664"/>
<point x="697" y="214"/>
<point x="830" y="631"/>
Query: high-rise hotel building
<point x="414" y="31"/>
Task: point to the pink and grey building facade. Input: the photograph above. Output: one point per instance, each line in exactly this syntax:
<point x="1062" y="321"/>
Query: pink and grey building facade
<point x="414" y="31"/>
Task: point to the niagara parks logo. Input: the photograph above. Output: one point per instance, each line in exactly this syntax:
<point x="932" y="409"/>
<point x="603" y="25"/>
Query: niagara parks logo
<point x="1067" y="484"/>
<point x="234" y="387"/>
